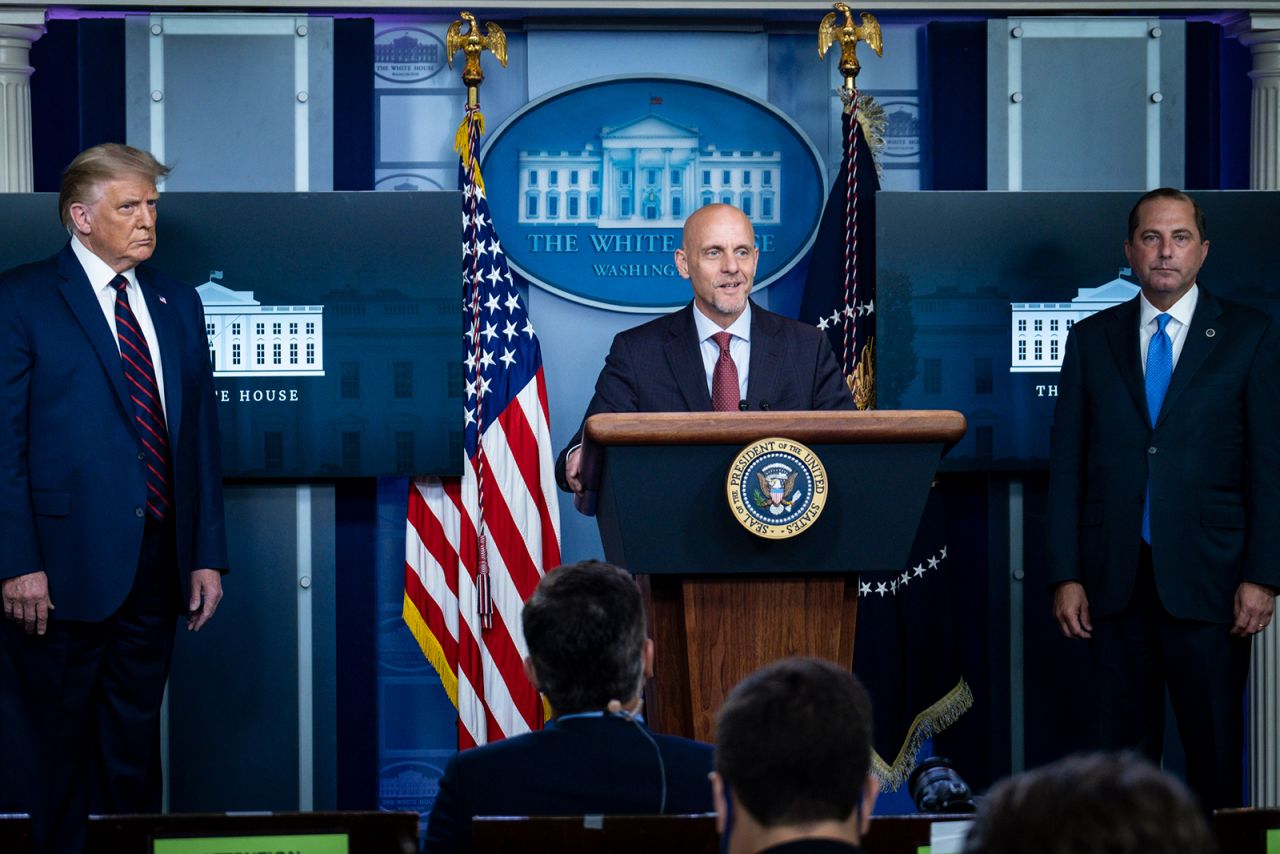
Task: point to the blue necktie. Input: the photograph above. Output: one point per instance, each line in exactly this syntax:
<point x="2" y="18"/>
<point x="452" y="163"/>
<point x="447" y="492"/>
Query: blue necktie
<point x="1159" y="370"/>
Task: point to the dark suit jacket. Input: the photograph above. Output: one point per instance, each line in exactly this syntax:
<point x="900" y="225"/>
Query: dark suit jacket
<point x="657" y="367"/>
<point x="72" y="484"/>
<point x="1213" y="459"/>
<point x="594" y="765"/>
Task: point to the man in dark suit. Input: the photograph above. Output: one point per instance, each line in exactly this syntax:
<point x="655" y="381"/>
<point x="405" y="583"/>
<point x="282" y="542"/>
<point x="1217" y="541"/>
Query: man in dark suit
<point x="793" y="761"/>
<point x="110" y="502"/>
<point x="588" y="655"/>
<point x="1164" y="499"/>
<point x="719" y="353"/>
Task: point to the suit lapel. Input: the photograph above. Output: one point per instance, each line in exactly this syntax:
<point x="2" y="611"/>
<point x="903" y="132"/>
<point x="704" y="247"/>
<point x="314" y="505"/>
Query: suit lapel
<point x="685" y="358"/>
<point x="79" y="296"/>
<point x="1201" y="340"/>
<point x="167" y="340"/>
<point x="1122" y="335"/>
<point x="766" y="359"/>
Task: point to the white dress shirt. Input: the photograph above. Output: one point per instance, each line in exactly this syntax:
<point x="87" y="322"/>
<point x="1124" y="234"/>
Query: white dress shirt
<point x="1180" y="314"/>
<point x="100" y="276"/>
<point x="739" y="345"/>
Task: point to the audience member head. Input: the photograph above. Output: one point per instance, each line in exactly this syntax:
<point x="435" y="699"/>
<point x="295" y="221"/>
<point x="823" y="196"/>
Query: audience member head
<point x="1105" y="803"/>
<point x="584" y="625"/>
<point x="793" y="757"/>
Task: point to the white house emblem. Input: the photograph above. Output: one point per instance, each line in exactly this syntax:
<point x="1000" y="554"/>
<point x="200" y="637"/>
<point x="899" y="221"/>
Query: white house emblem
<point x="590" y="185"/>
<point x="1040" y="329"/>
<point x="249" y="339"/>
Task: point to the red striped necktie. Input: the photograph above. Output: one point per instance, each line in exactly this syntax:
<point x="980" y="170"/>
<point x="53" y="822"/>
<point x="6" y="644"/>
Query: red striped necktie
<point x="724" y="378"/>
<point x="140" y="375"/>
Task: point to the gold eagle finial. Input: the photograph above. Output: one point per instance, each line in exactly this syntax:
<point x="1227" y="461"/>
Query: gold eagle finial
<point x="472" y="44"/>
<point x="848" y="35"/>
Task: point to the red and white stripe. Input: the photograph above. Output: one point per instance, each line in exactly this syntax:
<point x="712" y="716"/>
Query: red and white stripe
<point x="482" y="668"/>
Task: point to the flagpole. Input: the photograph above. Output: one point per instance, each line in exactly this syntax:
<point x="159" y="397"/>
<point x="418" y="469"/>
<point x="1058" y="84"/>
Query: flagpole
<point x="848" y="34"/>
<point x="849" y="94"/>
<point x="473" y="43"/>
<point x="476" y="545"/>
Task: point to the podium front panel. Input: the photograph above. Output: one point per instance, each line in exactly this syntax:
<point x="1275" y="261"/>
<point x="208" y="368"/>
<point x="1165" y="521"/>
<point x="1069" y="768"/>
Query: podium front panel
<point x="663" y="509"/>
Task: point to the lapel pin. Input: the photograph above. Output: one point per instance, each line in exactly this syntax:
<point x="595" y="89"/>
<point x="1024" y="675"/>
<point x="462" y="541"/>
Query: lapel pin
<point x="1209" y="333"/>
<point x="166" y="302"/>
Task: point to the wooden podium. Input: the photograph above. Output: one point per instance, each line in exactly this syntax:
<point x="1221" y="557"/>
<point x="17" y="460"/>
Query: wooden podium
<point x="722" y="601"/>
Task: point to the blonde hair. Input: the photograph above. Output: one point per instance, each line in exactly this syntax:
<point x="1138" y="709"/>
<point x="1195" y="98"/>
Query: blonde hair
<point x="101" y="163"/>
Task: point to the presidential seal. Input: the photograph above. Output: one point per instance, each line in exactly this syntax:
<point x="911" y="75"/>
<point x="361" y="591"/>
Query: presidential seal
<point x="776" y="488"/>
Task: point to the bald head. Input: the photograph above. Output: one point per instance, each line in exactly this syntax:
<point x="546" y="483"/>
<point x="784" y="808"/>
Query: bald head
<point x="714" y="212"/>
<point x="718" y="256"/>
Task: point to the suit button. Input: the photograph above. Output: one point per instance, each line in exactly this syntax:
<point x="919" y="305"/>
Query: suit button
<point x="1151" y="450"/>
<point x="138" y="511"/>
<point x="141" y="456"/>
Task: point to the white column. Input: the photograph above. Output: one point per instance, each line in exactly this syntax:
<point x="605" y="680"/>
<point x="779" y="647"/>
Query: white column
<point x="1264" y="720"/>
<point x="607" y="192"/>
<point x="18" y="29"/>
<point x="665" y="202"/>
<point x="1261" y="32"/>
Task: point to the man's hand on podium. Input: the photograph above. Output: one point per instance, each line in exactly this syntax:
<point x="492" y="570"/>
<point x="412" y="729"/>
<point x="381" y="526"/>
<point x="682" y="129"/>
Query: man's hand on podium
<point x="573" y="469"/>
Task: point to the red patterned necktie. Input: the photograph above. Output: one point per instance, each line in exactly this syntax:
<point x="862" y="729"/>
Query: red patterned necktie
<point x="724" y="379"/>
<point x="140" y="374"/>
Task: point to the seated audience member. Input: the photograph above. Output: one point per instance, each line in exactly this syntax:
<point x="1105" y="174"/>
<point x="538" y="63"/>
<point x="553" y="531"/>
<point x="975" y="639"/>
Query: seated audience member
<point x="1105" y="803"/>
<point x="793" y="755"/>
<point x="588" y="655"/>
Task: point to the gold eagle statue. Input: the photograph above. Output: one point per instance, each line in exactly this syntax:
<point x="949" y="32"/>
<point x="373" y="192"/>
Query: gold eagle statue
<point x="472" y="44"/>
<point x="848" y="35"/>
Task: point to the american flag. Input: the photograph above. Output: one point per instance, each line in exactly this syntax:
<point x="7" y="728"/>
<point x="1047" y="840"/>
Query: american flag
<point x="476" y="547"/>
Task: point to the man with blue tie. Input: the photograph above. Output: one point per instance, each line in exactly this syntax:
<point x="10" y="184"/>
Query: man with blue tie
<point x="1164" y="499"/>
<point x="110" y="502"/>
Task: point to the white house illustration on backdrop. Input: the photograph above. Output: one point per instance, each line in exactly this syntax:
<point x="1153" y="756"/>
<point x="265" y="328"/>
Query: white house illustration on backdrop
<point x="249" y="339"/>
<point x="649" y="172"/>
<point x="1040" y="328"/>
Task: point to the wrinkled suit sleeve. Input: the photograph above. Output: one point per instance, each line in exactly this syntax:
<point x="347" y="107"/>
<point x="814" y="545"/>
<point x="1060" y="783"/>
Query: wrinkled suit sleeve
<point x="21" y="552"/>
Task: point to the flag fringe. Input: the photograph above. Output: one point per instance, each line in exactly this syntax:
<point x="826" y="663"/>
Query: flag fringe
<point x="462" y="144"/>
<point x="874" y="121"/>
<point x="431" y="649"/>
<point x="927" y="724"/>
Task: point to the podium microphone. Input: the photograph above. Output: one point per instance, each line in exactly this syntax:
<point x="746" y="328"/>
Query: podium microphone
<point x="742" y="406"/>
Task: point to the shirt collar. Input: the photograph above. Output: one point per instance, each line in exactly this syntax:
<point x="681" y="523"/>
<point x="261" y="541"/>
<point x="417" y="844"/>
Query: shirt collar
<point x="598" y="714"/>
<point x="96" y="270"/>
<point x="706" y="327"/>
<point x="1182" y="310"/>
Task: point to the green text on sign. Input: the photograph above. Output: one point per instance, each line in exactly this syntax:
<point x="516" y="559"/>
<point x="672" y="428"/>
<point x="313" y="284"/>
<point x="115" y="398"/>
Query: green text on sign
<point x="307" y="843"/>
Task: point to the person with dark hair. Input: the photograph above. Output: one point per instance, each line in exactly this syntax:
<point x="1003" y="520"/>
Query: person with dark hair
<point x="1164" y="499"/>
<point x="111" y="489"/>
<point x="1118" y="804"/>
<point x="589" y="657"/>
<point x="793" y="760"/>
